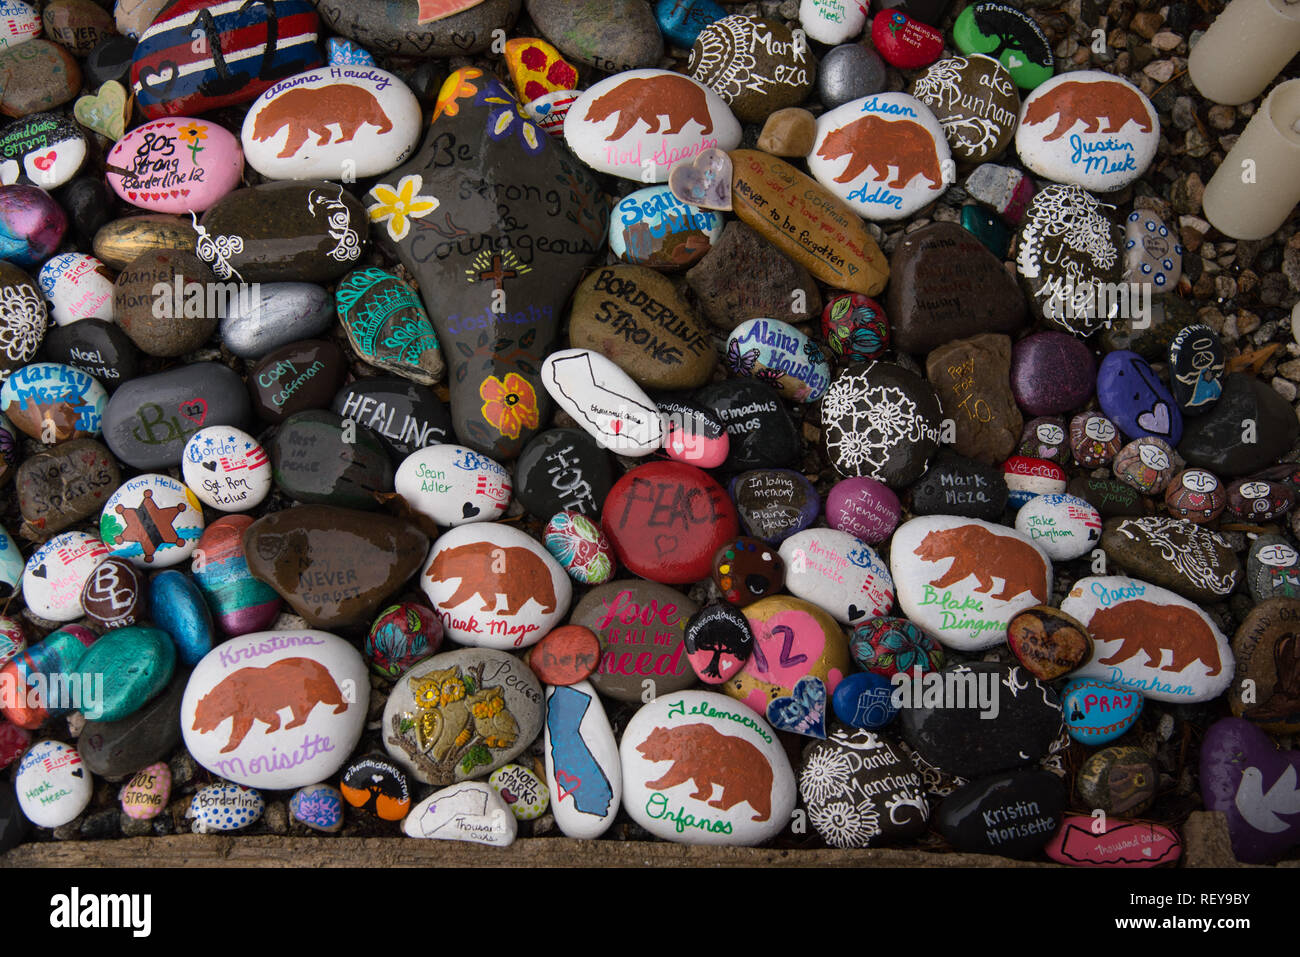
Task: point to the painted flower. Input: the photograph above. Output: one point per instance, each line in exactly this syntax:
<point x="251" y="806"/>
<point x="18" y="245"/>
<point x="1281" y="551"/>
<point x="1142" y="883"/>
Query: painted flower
<point x="457" y="87"/>
<point x="843" y="824"/>
<point x="506" y="115"/>
<point x="825" y="774"/>
<point x="509" y="404"/>
<point x="190" y="136"/>
<point x="898" y="650"/>
<point x="399" y="205"/>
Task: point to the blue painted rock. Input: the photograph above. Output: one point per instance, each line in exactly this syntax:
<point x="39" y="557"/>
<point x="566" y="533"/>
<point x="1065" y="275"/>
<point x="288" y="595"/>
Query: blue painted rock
<point x="343" y="52"/>
<point x="654" y="228"/>
<point x="889" y="646"/>
<point x="774" y="504"/>
<point x="1097" y="712"/>
<point x="682" y="20"/>
<point x="583" y="771"/>
<point x="718" y="642"/>
<point x="319" y="806"/>
<point x="53" y="402"/>
<point x="177" y="606"/>
<point x="1011" y="815"/>
<point x="56" y="573"/>
<point x="28" y="678"/>
<point x="1246" y="777"/>
<point x="152" y="520"/>
<point x="804" y="710"/>
<point x="1131" y="395"/>
<point x="224" y="807"/>
<point x="134" y="665"/>
<point x="862" y="700"/>
<point x="282" y="312"/>
<point x="779" y="353"/>
<point x="404" y="415"/>
<point x="387" y="326"/>
<point x="239" y="602"/>
<point x="402" y="635"/>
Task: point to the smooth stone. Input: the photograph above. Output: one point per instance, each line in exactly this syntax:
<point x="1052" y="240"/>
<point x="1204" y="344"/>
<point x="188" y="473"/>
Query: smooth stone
<point x="650" y="617"/>
<point x="755" y="64"/>
<point x="375" y="785"/>
<point x="312" y="462"/>
<point x="78" y="287"/>
<point x="157" y="302"/>
<point x="487" y="561"/>
<point x="537" y="68"/>
<point x="239" y="602"/>
<point x="693" y="434"/>
<point x="175" y="165"/>
<point x="1196" y="363"/>
<point x="880" y="133"/>
<point x="148" y="420"/>
<point x="700" y="738"/>
<point x="1064" y="526"/>
<point x="56" y="573"/>
<point x="1100" y="158"/>
<point x="53" y="402"/>
<point x="945" y="570"/>
<point x="145" y="796"/>
<point x="881" y="421"/>
<point x="862" y="700"/>
<point x="579" y="545"/>
<point x="1176" y="554"/>
<point x="565" y="656"/>
<point x="224" y="807"/>
<point x="652" y="227"/>
<point x="674" y="545"/>
<point x="781" y="355"/>
<point x="39" y="75"/>
<point x="226" y="468"/>
<point x="177" y="606"/>
<point x="855" y="328"/>
<point x="1118" y="780"/>
<point x="471" y="811"/>
<point x="295" y="377"/>
<point x="681" y="21"/>
<point x="452" y="485"/>
<point x="116" y="749"/>
<point x="106" y="112"/>
<point x="832" y="21"/>
<point x="357" y="560"/>
<point x="1004" y="189"/>
<point x="1131" y="395"/>
<point x="13" y="823"/>
<point x="747" y="569"/>
<point x="1051" y="373"/>
<point x="954" y="485"/>
<point x="1273" y="568"/>
<point x="10" y="454"/>
<point x="1152" y="253"/>
<point x="1265" y="648"/>
<point x="120" y="242"/>
<point x="387" y="326"/>
<point x="773" y="504"/>
<point x="319" y="806"/>
<point x="1117" y="844"/>
<point x="1029" y="477"/>
<point x="611" y="36"/>
<point x="109" y="61"/>
<point x="152" y="520"/>
<point x="976" y="741"/>
<point x="489" y="694"/>
<point x="1219" y="441"/>
<point x="745" y="275"/>
<point x="135" y="664"/>
<point x="1245" y="777"/>
<point x="970" y="377"/>
<point x="888" y="646"/>
<point x="281" y="313"/>
<point x="582" y="761"/>
<point x="1097" y="712"/>
<point x="116" y="594"/>
<point x="905" y="43"/>
<point x="987" y="228"/>
<point x="975" y="101"/>
<point x="396" y="29"/>
<point x="867" y="509"/>
<point x="1147" y="464"/>
<point x="522" y="790"/>
<point x="718" y="642"/>
<point x="1094" y="440"/>
<point x="1045" y="438"/>
<point x="45" y="149"/>
<point x="947" y="285"/>
<point x="11" y="568"/>
<point x="52" y="783"/>
<point x="1196" y="495"/>
<point x="402" y="635"/>
<point x="64" y="485"/>
<point x="861" y="791"/>
<point x="1012" y="815"/>
<point x="1048" y="643"/>
<point x="637" y="319"/>
<point x="838" y="573"/>
<point x="1143" y="617"/>
<point x="14" y="742"/>
<point x="1009" y="35"/>
<point x="848" y="72"/>
<point x="562" y="470"/>
<point x="25" y="319"/>
<point x="405" y="415"/>
<point x="790" y="131"/>
<point x="51" y="662"/>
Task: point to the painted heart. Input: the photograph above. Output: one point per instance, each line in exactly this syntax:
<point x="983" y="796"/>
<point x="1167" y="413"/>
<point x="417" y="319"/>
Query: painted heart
<point x="704" y="181"/>
<point x="105" y="112"/>
<point x="39" y="571"/>
<point x="855" y="612"/>
<point x="158" y="81"/>
<point x="508" y="795"/>
<point x="77" y="773"/>
<point x="565" y="783"/>
<point x="196" y="410"/>
<point x="1156" y="420"/>
<point x="666" y="544"/>
<point x="804" y="711"/>
<point x="1014" y="61"/>
<point x="210" y="466"/>
<point x="468" y="511"/>
<point x="43" y="163"/>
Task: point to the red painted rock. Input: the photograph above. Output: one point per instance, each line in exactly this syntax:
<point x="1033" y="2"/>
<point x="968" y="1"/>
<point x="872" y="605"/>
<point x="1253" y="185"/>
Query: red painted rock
<point x="1196" y="495"/>
<point x="13" y="742"/>
<point x="906" y="43"/>
<point x="1120" y="843"/>
<point x="666" y="520"/>
<point x="567" y="655"/>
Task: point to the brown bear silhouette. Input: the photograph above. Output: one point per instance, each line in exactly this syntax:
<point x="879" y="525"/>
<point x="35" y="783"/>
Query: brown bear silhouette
<point x="649" y="97"/>
<point x="977" y="551"/>
<point x="306" y="110"/>
<point x="1145" y="626"/>
<point x="871" y="141"/>
<point x="525" y="576"/>
<point x="1074" y="101"/>
<point x="702" y="754"/>
<point x="260" y="694"/>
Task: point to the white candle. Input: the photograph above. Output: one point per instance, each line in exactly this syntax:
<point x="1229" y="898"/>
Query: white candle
<point x="1258" y="185"/>
<point x="1244" y="49"/>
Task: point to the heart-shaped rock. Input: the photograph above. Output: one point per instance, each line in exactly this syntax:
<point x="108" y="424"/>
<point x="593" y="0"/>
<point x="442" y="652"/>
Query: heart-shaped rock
<point x="105" y="112"/>
<point x="803" y="712"/>
<point x="704" y="181"/>
<point x="1048" y="642"/>
<point x="1255" y="785"/>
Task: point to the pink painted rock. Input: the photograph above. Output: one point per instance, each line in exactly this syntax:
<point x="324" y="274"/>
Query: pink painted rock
<point x="1120" y="843"/>
<point x="145" y="795"/>
<point x="864" y="508"/>
<point x="175" y="165"/>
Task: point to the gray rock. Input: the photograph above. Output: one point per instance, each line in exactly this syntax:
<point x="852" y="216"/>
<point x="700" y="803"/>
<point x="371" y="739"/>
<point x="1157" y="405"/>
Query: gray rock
<point x="116" y="749"/>
<point x="284" y="312"/>
<point x="847" y="72"/>
<point x="611" y="35"/>
<point x="386" y="28"/>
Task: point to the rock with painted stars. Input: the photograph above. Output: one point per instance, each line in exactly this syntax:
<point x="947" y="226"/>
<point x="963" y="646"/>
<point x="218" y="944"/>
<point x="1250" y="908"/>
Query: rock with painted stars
<point x="115" y="594"/>
<point x="1049" y="643"/>
<point x="604" y="401"/>
<point x="152" y="521"/>
<point x="402" y="635"/>
<point x="239" y="602"/>
<point x="718" y="642"/>
<point x="583" y="771"/>
<point x="453" y="485"/>
<point x="319" y="806"/>
<point x="747" y="569"/>
<point x="1063" y="526"/>
<point x="377" y="786"/>
<point x="779" y="353"/>
<point x="78" y="287"/>
<point x="52" y="784"/>
<point x="1098" y="712"/>
<point x="1028" y="478"/>
<point x="56" y="573"/>
<point x="226" y="468"/>
<point x="224" y="807"/>
<point x="53" y="402"/>
<point x="469" y="811"/>
<point x="145" y="796"/>
<point x="838" y="573"/>
<point x="1147" y="464"/>
<point x="524" y="792"/>
<point x="580" y="546"/>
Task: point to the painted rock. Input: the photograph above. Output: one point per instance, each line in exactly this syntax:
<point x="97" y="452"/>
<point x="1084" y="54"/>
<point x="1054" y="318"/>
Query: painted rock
<point x="52" y="784"/>
<point x="866" y="509"/>
<point x="226" y="468"/>
<point x="718" y="642"/>
<point x="693" y="434"/>
<point x="462" y="714"/>
<point x="1063" y="526"/>
<point x="522" y="790"/>
<point x="245" y="51"/>
<point x="673" y="545"/>
<point x="43" y="148"/>
<point x="374" y="784"/>
<point x="134" y="664"/>
<point x="1097" y="712"/>
<point x="641" y="627"/>
<point x="1133" y="397"/>
<point x="817" y="229"/>
<point x="880" y="421"/>
<point x="224" y="807"/>
<point x="56" y="573"/>
<point x="387" y="326"/>
<point x="39" y="75"/>
<point x="38" y="684"/>
<point x="1028" y="478"/>
<point x="312" y="461"/>
<point x="1118" y="780"/>
<point x="14" y="742"/>
<point x="1126" y="616"/>
<point x="838" y="573"/>
<point x="604" y="400"/>
<point x="567" y="655"/>
<point x="319" y="806"/>
<point x="563" y="470"/>
<point x="747" y="569"/>
<point x="1147" y="464"/>
<point x="452" y="485"/>
<point x="1010" y="36"/>
<point x="357" y="560"/>
<point x="682" y="20"/>
<point x="149" y="420"/>
<point x="449" y="28"/>
<point x="25" y="320"/>
<point x="78" y="287"/>
<point x="1273" y="568"/>
<point x="832" y="21"/>
<point x="1120" y="843"/>
<point x="863" y="700"/>
<point x="1152" y="253"/>
<point x="1193" y="561"/>
<point x="954" y="485"/>
<point x="1264" y="647"/>
<point x="550" y="110"/>
<point x="861" y="791"/>
<point x="178" y="607"/>
<point x="537" y="68"/>
<point x="175" y="165"/>
<point x="145" y="796"/>
<point x="64" y="485"/>
<point x="152" y="520"/>
<point x="780" y="354"/>
<point x="1244" y="776"/>
<point x="402" y="635"/>
<point x="239" y="602"/>
<point x="970" y="378"/>
<point x="1094" y="439"/>
<point x="1051" y="373"/>
<point x="760" y="433"/>
<point x="1196" y="496"/>
<point x="1045" y="438"/>
<point x="975" y="101"/>
<point x="774" y="503"/>
<point x="286" y="132"/>
<point x="681" y="745"/>
<point x="610" y="36"/>
<point x="21" y="22"/>
<point x="343" y="52"/>
<point x="117" y="749"/>
<point x="105" y="69"/>
<point x="120" y="241"/>
<point x="1047" y="642"/>
<point x="1196" y="363"/>
<point x="904" y="42"/>
<point x="889" y="646"/>
<point x="12" y="640"/>
<point x="1011" y="815"/>
<point x="166" y="301"/>
<point x="11" y="565"/>
<point x="281" y="313"/>
<point x="77" y="25"/>
<point x="947" y="572"/>
<point x="579" y="545"/>
<point x="252" y="680"/>
<point x="9" y="449"/>
<point x="855" y="328"/>
<point x="487" y="561"/>
<point x="583" y="771"/>
<point x="471" y="811"/>
<point x="896" y="151"/>
<point x="1218" y="440"/>
<point x="404" y="415"/>
<point x="33" y="225"/>
<point x="295" y="377"/>
<point x="654" y="228"/>
<point x="755" y="64"/>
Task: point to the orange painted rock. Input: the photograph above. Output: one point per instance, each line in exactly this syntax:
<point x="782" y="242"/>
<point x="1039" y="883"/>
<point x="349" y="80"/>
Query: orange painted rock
<point x="537" y="68"/>
<point x="567" y="655"/>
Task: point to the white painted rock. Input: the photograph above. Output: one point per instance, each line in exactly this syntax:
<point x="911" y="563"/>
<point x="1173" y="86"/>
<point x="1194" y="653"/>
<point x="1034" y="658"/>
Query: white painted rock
<point x="1063" y="526"/>
<point x="963" y="579"/>
<point x="330" y="123"/>
<point x="652" y="227"/>
<point x="152" y="520"/>
<point x="691" y="743"/>
<point x="470" y="811"/>
<point x="175" y="165"/>
<point x="223" y="807"/>
<point x="226" y="468"/>
<point x="885" y="155"/>
<point x="832" y="21"/>
<point x="78" y="286"/>
<point x="524" y="792"/>
<point x="276" y="709"/>
<point x="638" y="123"/>
<point x="1088" y="128"/>
<point x="52" y="784"/>
<point x="838" y="573"/>
<point x="56" y="573"/>
<point x="582" y="761"/>
<point x="604" y="401"/>
<point x="19" y="22"/>
<point x="1152" y="252"/>
<point x="1149" y="639"/>
<point x="454" y="485"/>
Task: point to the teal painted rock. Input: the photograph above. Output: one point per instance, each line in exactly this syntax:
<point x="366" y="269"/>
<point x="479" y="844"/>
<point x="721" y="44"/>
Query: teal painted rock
<point x="387" y="326"/>
<point x="239" y="602"/>
<point x="177" y="607"/>
<point x="134" y="665"/>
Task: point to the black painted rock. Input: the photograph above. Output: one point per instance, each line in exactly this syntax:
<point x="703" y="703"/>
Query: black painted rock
<point x="611" y="35"/>
<point x="45" y="149"/>
<point x="1273" y="568"/>
<point x="23" y="323"/>
<point x="405" y="415"/>
<point x="1109" y="497"/>
<point x="63" y="485"/>
<point x="1266" y="653"/>
<point x="13" y="822"/>
<point x="161" y="301"/>
<point x="88" y="202"/>
<point x="759" y="429"/>
<point x="563" y="469"/>
<point x="1173" y="553"/>
<point x="299" y="376"/>
<point x="1248" y="429"/>
<point x="960" y="486"/>
<point x="117" y="749"/>
<point x="110" y="60"/>
<point x="313" y="461"/>
<point x="1010" y="815"/>
<point x="975" y="101"/>
<point x="385" y="27"/>
<point x="881" y="421"/>
<point x="754" y="63"/>
<point x="1258" y="500"/>
<point x="502" y="222"/>
<point x="718" y="641"/>
<point x="96" y="347"/>
<point x="773" y="504"/>
<point x="1120" y="780"/>
<point x="1196" y="362"/>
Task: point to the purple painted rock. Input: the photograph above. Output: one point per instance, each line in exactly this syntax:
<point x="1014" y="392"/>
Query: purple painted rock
<point x="1245" y="776"/>
<point x="32" y="225"/>
<point x="240" y="603"/>
<point x="864" y="508"/>
<point x="1134" y="398"/>
<point x="1051" y="373"/>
